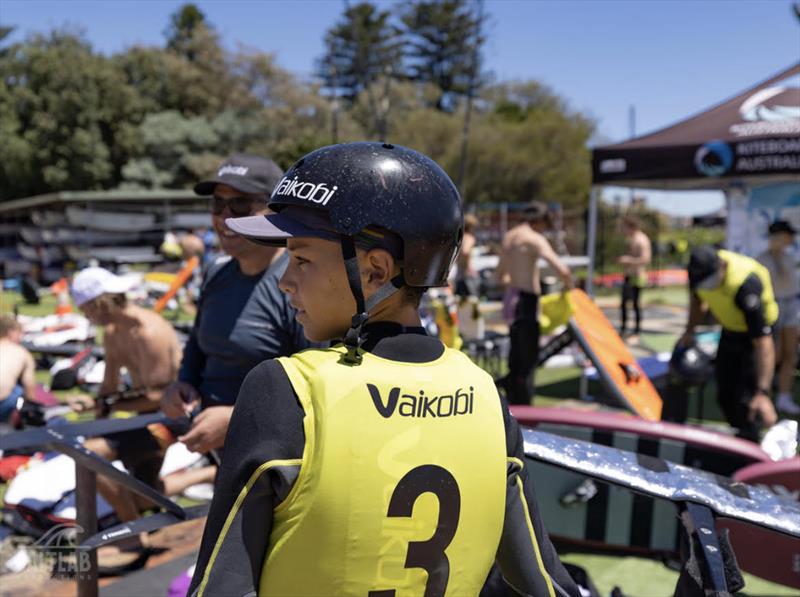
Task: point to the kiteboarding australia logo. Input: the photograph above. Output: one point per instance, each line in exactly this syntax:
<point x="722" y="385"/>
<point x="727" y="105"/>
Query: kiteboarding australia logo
<point x="319" y="193"/>
<point x="714" y="158"/>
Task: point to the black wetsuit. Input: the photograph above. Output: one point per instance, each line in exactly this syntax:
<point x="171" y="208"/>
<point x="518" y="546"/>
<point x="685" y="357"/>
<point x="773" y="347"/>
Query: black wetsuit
<point x="524" y="352"/>
<point x="735" y="365"/>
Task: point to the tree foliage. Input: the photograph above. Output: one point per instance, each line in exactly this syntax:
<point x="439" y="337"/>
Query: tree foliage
<point x="445" y="38"/>
<point x="69" y="118"/>
<point x="73" y="119"/>
<point x="363" y="54"/>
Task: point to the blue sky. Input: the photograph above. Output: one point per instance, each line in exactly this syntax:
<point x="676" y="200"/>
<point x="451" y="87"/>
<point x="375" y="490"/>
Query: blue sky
<point x="669" y="59"/>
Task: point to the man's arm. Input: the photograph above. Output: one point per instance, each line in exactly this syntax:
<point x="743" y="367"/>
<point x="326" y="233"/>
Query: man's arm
<point x="547" y="253"/>
<point x="263" y="453"/>
<point x="28" y="377"/>
<point x="696" y="312"/>
<point x="527" y="559"/>
<point x="113" y="363"/>
<point x="194" y="359"/>
<point x="748" y="299"/>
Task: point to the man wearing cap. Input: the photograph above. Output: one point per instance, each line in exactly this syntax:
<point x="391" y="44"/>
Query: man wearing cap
<point x="738" y="292"/>
<point x="782" y="268"/>
<point x="242" y="316"/>
<point x="518" y="269"/>
<point x="146" y="345"/>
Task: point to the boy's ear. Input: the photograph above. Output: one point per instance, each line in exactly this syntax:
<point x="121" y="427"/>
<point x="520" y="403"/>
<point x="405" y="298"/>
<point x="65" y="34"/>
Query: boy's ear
<point x="380" y="267"/>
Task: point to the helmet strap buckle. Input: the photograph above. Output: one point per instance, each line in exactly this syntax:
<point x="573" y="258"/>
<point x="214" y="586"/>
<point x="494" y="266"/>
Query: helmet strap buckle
<point x="352" y="339"/>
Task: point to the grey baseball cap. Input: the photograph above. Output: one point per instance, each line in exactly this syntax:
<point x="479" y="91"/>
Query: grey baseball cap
<point x="246" y="173"/>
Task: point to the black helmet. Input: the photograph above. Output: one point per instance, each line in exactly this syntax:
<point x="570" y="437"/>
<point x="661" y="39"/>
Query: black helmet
<point x="690" y="365"/>
<point x="353" y="187"/>
<point x="373" y="184"/>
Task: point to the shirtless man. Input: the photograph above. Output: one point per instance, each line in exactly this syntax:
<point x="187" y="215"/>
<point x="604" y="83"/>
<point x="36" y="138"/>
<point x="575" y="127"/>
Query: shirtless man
<point x="16" y="367"/>
<point x="638" y="254"/>
<point x="146" y="345"/>
<point x="466" y="277"/>
<point x="518" y="270"/>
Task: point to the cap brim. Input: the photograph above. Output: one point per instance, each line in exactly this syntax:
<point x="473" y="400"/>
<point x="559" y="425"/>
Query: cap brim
<point x="273" y="229"/>
<point x="206" y="187"/>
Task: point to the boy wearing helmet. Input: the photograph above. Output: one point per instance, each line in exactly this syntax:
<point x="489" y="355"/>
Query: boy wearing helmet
<point x="386" y="463"/>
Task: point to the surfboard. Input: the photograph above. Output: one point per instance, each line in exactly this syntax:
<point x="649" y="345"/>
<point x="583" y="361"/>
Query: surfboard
<point x="621" y="375"/>
<point x="604" y="517"/>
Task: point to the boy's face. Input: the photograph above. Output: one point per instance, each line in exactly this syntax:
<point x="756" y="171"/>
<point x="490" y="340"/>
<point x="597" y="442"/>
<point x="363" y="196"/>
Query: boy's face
<point x="316" y="282"/>
<point x="96" y="311"/>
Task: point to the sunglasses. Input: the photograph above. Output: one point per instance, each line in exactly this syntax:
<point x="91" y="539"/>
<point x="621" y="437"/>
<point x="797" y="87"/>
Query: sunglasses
<point x="237" y="206"/>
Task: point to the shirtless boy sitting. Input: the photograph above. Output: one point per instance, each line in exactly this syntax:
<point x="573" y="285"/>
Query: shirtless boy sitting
<point x="16" y="367"/>
<point x="518" y="270"/>
<point x="146" y="345"/>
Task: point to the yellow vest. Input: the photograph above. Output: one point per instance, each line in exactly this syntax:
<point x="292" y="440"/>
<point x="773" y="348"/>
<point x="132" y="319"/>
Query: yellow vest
<point x="403" y="479"/>
<point x="721" y="300"/>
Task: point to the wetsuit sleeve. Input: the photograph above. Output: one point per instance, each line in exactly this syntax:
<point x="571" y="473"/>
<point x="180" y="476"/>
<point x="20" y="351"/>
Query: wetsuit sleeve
<point x="526" y="558"/>
<point x="748" y="299"/>
<point x="263" y="451"/>
<point x="193" y="360"/>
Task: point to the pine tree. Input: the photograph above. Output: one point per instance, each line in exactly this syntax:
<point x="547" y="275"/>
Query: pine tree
<point x="363" y="53"/>
<point x="445" y="39"/>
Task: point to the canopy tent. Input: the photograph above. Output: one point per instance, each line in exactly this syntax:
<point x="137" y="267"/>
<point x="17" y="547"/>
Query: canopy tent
<point x="753" y="138"/>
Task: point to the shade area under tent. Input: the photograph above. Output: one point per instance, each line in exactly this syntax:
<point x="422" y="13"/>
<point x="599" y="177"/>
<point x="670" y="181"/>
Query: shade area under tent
<point x="747" y="142"/>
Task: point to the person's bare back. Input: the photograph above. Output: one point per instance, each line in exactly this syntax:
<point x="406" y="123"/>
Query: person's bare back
<point x="16" y="367"/>
<point x="146" y="345"/>
<point x="639" y="250"/>
<point x="522" y="247"/>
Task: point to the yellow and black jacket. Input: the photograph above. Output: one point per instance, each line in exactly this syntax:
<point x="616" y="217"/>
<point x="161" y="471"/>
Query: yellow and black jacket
<point x="744" y="303"/>
<point x="401" y="476"/>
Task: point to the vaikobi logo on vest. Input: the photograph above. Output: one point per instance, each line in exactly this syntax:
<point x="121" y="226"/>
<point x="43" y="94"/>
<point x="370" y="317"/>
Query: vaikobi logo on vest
<point x="318" y="193"/>
<point x="422" y="406"/>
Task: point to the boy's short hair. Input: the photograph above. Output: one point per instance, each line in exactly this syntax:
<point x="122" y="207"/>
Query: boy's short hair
<point x="470" y="222"/>
<point x="412" y="295"/>
<point x="8" y="324"/>
<point x="535" y="211"/>
<point x="632" y="221"/>
<point x="107" y="301"/>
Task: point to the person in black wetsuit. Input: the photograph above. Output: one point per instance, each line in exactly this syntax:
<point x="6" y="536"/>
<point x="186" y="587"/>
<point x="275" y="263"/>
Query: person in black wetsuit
<point x="388" y="461"/>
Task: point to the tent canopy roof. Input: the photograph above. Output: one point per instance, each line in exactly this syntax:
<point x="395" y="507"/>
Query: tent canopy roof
<point x="761" y="125"/>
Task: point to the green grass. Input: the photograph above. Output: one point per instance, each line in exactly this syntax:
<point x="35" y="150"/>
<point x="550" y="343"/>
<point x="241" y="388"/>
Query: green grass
<point x="639" y="577"/>
<point x="47" y="306"/>
<point x="676" y="296"/>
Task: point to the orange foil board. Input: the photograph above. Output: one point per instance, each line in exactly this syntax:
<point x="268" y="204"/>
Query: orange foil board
<point x="180" y="279"/>
<point x="618" y="369"/>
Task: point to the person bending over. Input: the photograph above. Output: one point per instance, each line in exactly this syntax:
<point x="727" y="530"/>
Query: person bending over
<point x="738" y="292"/>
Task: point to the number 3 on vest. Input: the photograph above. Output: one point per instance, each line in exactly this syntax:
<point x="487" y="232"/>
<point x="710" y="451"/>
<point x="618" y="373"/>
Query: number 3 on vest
<point x="429" y="554"/>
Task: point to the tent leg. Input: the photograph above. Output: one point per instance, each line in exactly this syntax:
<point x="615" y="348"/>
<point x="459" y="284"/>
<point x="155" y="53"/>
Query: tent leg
<point x="591" y="238"/>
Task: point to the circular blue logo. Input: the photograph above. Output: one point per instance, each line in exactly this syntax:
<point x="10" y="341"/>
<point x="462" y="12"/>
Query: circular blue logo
<point x="714" y="158"/>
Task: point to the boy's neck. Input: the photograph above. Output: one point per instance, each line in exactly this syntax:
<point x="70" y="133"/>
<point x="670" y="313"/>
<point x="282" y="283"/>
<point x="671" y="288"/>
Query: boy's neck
<point x="403" y="314"/>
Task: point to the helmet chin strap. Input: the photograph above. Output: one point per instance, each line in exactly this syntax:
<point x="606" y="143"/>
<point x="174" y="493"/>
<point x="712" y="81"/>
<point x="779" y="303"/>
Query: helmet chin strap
<point x="352" y="339"/>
